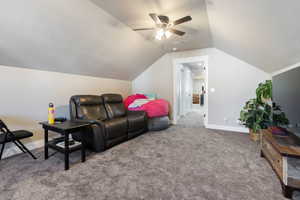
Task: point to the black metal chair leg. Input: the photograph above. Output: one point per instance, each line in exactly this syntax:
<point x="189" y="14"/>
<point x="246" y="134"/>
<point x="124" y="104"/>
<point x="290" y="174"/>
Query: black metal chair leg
<point x="20" y="147"/>
<point x="14" y="137"/>
<point x="27" y="150"/>
<point x="2" y="149"/>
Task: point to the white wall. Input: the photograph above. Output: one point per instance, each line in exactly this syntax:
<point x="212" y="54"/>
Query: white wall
<point x="156" y="79"/>
<point x="26" y="93"/>
<point x="234" y="80"/>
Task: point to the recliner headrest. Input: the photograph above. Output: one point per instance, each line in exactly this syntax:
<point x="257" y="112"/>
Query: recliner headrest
<point x="112" y="98"/>
<point x="87" y="99"/>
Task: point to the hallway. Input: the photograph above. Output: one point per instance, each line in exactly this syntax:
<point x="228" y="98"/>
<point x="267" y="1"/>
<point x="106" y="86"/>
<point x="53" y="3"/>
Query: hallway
<point x="193" y="119"/>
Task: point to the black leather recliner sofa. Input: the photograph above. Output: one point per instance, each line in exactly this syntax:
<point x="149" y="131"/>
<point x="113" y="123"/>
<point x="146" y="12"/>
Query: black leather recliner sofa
<point x="111" y="123"/>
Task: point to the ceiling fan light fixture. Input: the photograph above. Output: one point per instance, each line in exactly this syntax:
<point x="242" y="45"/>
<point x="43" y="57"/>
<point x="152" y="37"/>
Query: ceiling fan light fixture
<point x="165" y="27"/>
<point x="158" y="37"/>
<point x="168" y="34"/>
<point x="159" y="34"/>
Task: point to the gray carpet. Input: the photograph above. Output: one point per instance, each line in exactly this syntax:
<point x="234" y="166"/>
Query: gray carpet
<point x="183" y="162"/>
<point x="191" y="120"/>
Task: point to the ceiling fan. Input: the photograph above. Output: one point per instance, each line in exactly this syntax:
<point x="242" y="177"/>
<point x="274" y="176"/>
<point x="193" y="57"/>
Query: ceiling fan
<point x="164" y="26"/>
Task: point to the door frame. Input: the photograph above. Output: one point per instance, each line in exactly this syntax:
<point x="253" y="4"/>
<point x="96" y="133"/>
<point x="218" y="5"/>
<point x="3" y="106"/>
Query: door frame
<point x="180" y="105"/>
<point x="176" y="66"/>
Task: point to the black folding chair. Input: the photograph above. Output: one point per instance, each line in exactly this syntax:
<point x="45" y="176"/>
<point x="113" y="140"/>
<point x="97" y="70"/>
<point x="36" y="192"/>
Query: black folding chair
<point x="14" y="136"/>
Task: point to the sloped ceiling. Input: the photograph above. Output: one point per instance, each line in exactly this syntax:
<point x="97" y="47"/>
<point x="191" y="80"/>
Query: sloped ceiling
<point x="264" y="33"/>
<point x="135" y="13"/>
<point x="80" y="37"/>
<point x="71" y="36"/>
<point x="95" y="37"/>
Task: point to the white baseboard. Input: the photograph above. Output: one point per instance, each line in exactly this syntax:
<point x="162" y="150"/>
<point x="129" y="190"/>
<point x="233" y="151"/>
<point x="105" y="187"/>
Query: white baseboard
<point x="11" y="149"/>
<point x="228" y="128"/>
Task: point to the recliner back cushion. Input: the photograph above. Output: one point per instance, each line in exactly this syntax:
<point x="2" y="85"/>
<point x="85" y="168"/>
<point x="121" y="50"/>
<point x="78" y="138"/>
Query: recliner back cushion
<point x="114" y="105"/>
<point x="89" y="107"/>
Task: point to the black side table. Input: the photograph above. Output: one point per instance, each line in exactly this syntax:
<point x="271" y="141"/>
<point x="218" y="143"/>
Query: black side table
<point x="64" y="128"/>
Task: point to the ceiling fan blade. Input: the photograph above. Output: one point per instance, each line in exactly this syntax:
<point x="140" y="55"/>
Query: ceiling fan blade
<point x="164" y="19"/>
<point x="177" y="32"/>
<point x="155" y="18"/>
<point x="143" y="29"/>
<point x="182" y="20"/>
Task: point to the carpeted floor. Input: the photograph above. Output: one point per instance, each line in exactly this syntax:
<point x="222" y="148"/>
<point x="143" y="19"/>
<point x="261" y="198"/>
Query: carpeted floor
<point x="183" y="162"/>
<point x="192" y="120"/>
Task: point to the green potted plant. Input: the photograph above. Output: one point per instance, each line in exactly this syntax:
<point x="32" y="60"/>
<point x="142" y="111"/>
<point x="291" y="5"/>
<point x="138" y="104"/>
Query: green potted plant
<point x="255" y="116"/>
<point x="278" y="116"/>
<point x="264" y="92"/>
<point x="261" y="113"/>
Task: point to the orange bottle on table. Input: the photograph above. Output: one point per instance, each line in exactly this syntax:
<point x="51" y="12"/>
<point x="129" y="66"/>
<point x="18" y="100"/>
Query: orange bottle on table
<point x="51" y="114"/>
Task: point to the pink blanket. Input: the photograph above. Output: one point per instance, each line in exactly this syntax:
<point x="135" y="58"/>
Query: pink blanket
<point x="155" y="108"/>
<point x="130" y="99"/>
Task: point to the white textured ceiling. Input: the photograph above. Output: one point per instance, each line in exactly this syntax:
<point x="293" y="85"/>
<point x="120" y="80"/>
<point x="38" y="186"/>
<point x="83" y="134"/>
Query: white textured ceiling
<point x="264" y="33"/>
<point x="95" y="37"/>
<point x="135" y="13"/>
<point x="71" y="36"/>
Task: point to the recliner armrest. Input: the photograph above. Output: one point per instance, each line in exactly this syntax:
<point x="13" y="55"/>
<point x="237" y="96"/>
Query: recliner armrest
<point x="137" y="122"/>
<point x="98" y="132"/>
<point x="137" y="113"/>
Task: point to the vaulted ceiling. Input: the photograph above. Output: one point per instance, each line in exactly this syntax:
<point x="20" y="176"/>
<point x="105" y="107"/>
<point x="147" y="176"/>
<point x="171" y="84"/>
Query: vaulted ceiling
<point x="71" y="36"/>
<point x="135" y="13"/>
<point x="264" y="33"/>
<point x="95" y="37"/>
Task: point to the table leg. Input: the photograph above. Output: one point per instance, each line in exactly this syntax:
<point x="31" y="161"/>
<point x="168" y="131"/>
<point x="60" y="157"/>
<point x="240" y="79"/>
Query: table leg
<point x="66" y="151"/>
<point x="46" y="144"/>
<point x="287" y="191"/>
<point x="82" y="147"/>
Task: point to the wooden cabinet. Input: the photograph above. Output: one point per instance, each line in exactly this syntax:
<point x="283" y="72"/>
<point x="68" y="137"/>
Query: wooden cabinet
<point x="283" y="154"/>
<point x="274" y="157"/>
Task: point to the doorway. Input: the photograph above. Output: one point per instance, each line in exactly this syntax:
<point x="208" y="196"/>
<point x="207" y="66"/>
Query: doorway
<point x="199" y="86"/>
<point x="190" y="83"/>
<point x="185" y="90"/>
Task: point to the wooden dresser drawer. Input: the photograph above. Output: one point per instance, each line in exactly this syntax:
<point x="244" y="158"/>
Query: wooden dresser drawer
<point x="283" y="154"/>
<point x="274" y="157"/>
